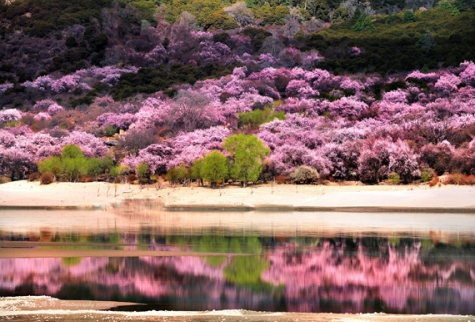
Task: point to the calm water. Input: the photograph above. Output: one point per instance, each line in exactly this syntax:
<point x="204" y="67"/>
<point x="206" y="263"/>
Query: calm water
<point x="257" y="261"/>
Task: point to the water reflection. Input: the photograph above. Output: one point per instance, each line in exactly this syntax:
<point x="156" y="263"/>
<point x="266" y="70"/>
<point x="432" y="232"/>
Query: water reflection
<point x="301" y="274"/>
<point x="300" y="262"/>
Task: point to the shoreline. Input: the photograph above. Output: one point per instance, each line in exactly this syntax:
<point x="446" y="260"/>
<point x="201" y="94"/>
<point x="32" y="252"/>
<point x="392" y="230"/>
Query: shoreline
<point x="24" y="195"/>
<point x="46" y="308"/>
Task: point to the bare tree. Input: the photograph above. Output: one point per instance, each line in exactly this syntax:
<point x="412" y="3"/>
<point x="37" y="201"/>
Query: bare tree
<point x="240" y="13"/>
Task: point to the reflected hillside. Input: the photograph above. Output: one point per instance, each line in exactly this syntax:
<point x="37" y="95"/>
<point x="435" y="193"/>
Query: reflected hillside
<point x="397" y="275"/>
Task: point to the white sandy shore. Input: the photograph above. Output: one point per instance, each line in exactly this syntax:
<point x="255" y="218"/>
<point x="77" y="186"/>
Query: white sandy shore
<point x="44" y="308"/>
<point x="277" y="197"/>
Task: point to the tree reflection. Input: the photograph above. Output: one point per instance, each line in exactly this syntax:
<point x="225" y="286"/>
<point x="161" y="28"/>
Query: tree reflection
<point x="340" y="274"/>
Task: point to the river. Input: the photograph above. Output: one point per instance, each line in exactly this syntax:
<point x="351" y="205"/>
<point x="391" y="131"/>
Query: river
<point x="263" y="261"/>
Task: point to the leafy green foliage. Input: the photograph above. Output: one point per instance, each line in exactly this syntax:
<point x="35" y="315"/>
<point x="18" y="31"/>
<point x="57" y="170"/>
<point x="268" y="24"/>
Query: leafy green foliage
<point x="271" y="15"/>
<point x="340" y="14"/>
<point x="395" y="46"/>
<point x="50" y="165"/>
<point x="248" y="153"/>
<point x="258" y="117"/>
<point x="110" y="130"/>
<point x="394" y="178"/>
<point x="142" y="169"/>
<point x="427" y="174"/>
<point x="71" y="151"/>
<point x="177" y="174"/>
<point x="363" y="23"/>
<point x="201" y="9"/>
<point x="50" y="15"/>
<point x="215" y="167"/>
<point x="196" y="170"/>
<point x="219" y="20"/>
<point x="73" y="164"/>
<point x="409" y="17"/>
<point x="246" y="270"/>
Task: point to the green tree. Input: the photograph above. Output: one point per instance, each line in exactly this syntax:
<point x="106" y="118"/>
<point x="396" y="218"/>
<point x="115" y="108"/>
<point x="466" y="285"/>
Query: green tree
<point x="409" y="17"/>
<point x="71" y="151"/>
<point x="73" y="168"/>
<point x="461" y="5"/>
<point x="248" y="154"/>
<point x="364" y="22"/>
<point x="73" y="161"/>
<point x="177" y="174"/>
<point x="258" y="117"/>
<point x="215" y="167"/>
<point x="196" y="171"/>
<point x="95" y="167"/>
<point x="340" y="14"/>
<point x="219" y="20"/>
<point x="51" y="165"/>
<point x="142" y="169"/>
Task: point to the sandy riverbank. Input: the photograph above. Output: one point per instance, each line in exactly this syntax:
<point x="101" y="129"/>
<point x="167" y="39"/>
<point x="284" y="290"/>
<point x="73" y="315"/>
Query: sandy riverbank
<point x="44" y="308"/>
<point x="447" y="198"/>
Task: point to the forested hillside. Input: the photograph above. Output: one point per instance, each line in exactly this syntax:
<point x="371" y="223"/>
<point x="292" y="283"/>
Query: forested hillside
<point x="332" y="91"/>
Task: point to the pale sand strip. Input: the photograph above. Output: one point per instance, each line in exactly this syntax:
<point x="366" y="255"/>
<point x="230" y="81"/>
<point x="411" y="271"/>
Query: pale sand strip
<point x="45" y="308"/>
<point x="100" y="195"/>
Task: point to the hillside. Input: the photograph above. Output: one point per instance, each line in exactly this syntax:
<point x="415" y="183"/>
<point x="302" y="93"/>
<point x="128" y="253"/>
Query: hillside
<point x="146" y="88"/>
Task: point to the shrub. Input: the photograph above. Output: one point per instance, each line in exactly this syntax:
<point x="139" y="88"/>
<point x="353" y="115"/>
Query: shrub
<point x="364" y="22"/>
<point x="33" y="176"/>
<point x="394" y="178"/>
<point x="468" y="180"/>
<point x="85" y="179"/>
<point x="409" y="17"/>
<point x="305" y="174"/>
<point x="142" y="169"/>
<point x="427" y="174"/>
<point x="131" y="178"/>
<point x="460" y="179"/>
<point x="281" y="179"/>
<point x="110" y="130"/>
<point x="435" y="180"/>
<point x="455" y="178"/>
<point x="46" y="178"/>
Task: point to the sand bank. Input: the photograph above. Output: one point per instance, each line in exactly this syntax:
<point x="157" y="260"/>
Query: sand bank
<point x="44" y="308"/>
<point x="269" y="197"/>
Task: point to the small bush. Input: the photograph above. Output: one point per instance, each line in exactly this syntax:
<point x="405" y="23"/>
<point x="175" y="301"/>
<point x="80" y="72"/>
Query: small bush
<point x="85" y="179"/>
<point x="46" y="178"/>
<point x="460" y="179"/>
<point x="468" y="180"/>
<point x="427" y="174"/>
<point x="4" y="179"/>
<point x="34" y="176"/>
<point x="435" y="180"/>
<point x="305" y="174"/>
<point x="131" y="178"/>
<point x="409" y="17"/>
<point x="394" y="178"/>
<point x="110" y="130"/>
<point x="455" y="178"/>
<point x="281" y="179"/>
